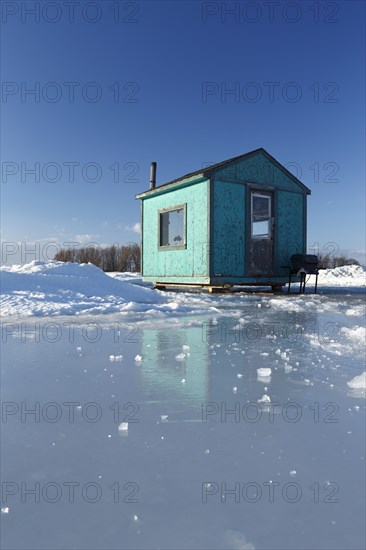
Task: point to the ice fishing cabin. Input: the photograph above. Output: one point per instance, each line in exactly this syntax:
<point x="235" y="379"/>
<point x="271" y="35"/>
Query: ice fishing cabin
<point x="237" y="222"/>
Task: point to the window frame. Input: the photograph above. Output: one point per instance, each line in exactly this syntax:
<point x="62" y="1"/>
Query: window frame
<point x="267" y="196"/>
<point x="183" y="245"/>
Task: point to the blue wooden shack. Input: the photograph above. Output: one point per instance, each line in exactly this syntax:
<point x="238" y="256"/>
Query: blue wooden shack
<point x="237" y="222"/>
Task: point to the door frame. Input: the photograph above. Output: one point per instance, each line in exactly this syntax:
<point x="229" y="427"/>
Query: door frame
<point x="265" y="190"/>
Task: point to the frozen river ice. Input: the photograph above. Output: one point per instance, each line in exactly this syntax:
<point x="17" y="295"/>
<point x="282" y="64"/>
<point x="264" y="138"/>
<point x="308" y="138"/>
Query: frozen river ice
<point x="162" y="434"/>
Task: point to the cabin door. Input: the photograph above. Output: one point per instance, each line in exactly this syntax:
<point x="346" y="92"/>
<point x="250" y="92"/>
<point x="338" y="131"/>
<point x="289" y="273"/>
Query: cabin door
<point x="261" y="233"/>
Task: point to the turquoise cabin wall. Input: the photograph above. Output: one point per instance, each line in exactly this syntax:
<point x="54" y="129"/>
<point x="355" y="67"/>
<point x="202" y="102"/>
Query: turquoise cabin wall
<point x="290" y="229"/>
<point x="229" y="212"/>
<point x="192" y="261"/>
<point x="228" y="228"/>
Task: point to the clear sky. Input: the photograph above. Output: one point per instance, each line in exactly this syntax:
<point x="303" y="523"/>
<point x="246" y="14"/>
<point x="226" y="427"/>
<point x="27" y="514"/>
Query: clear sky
<point x="119" y="84"/>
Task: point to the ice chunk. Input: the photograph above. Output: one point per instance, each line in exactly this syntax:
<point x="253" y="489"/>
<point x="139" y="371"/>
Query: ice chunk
<point x="123" y="427"/>
<point x="5" y="510"/>
<point x="358" y="382"/>
<point x="164" y="417"/>
<point x="264" y="372"/>
<point x="264" y="399"/>
<point x="185" y="348"/>
<point x="236" y="540"/>
<point x="138" y="359"/>
<point x="180" y="357"/>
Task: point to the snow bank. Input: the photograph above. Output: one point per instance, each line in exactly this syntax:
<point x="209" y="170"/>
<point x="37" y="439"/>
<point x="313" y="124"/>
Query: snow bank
<point x="53" y="288"/>
<point x="345" y="276"/>
<point x="58" y="288"/>
<point x="66" y="288"/>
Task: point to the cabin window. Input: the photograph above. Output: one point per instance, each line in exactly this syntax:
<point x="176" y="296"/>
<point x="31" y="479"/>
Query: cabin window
<point x="261" y="216"/>
<point x="172" y="227"/>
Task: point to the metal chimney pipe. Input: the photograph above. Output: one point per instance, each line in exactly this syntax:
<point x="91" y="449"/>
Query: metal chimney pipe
<point x="152" y="175"/>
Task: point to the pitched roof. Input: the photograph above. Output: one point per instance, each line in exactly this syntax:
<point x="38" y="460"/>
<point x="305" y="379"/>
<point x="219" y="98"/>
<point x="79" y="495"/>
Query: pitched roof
<point x="206" y="172"/>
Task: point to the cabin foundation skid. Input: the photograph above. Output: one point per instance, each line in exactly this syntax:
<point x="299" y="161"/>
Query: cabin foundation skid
<point x="216" y="289"/>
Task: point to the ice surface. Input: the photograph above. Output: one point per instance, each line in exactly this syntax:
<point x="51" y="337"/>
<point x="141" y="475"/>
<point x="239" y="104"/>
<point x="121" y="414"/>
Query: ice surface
<point x="213" y="437"/>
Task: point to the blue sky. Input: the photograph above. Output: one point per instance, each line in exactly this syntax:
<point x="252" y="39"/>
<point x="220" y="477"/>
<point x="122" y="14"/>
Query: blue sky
<point x="131" y="87"/>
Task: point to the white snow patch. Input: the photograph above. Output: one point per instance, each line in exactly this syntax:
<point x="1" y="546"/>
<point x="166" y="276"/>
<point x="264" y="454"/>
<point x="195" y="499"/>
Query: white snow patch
<point x="357" y="334"/>
<point x="48" y="288"/>
<point x="358" y="382"/>
<point x="345" y="276"/>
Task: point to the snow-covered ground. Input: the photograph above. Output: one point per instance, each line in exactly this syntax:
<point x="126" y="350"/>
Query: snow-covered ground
<point x="57" y="288"/>
<point x="179" y="420"/>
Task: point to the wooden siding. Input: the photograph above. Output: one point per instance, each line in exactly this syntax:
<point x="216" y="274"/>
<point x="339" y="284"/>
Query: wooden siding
<point x="228" y="219"/>
<point x="190" y="262"/>
<point x="258" y="169"/>
<point x="290" y="228"/>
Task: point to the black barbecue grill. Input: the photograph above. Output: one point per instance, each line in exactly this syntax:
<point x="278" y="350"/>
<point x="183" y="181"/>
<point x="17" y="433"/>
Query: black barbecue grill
<point x="301" y="266"/>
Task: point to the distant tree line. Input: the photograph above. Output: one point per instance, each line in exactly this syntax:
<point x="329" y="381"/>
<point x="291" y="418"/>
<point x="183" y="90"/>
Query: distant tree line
<point x="327" y="261"/>
<point x="128" y="257"/>
<point x="108" y="258"/>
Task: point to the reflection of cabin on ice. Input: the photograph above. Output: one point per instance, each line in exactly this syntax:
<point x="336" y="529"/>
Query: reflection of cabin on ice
<point x="237" y="222"/>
